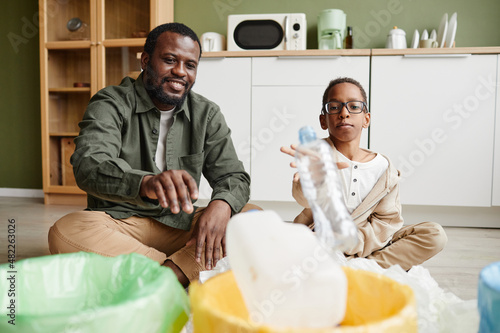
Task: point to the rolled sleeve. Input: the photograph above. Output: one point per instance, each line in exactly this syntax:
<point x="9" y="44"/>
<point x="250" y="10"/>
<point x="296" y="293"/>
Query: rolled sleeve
<point x="97" y="165"/>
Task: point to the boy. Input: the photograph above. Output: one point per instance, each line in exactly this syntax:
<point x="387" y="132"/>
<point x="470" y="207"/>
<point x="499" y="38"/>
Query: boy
<point x="370" y="186"/>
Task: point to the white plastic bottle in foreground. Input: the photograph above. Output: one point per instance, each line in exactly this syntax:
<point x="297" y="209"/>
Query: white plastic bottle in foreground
<point x="322" y="188"/>
<point x="286" y="277"/>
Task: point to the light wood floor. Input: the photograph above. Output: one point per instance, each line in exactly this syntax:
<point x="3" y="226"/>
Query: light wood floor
<point x="456" y="268"/>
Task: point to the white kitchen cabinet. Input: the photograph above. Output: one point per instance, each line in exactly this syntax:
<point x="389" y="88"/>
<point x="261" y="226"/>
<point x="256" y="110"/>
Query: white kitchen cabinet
<point x="496" y="164"/>
<point x="227" y="82"/>
<point x="309" y="71"/>
<point x="435" y="117"/>
<point x="286" y="95"/>
<point x="278" y="114"/>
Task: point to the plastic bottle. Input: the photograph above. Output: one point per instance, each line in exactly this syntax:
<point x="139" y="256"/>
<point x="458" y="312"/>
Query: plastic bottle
<point x="322" y="188"/>
<point x="348" y="39"/>
<point x="287" y="279"/>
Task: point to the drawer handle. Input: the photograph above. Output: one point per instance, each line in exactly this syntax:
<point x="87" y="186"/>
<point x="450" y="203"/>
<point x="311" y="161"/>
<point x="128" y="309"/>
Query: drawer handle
<point x="212" y="58"/>
<point x="458" y="55"/>
<point x="309" y="57"/>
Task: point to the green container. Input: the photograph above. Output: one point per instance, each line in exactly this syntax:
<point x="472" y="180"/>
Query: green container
<point x="86" y="292"/>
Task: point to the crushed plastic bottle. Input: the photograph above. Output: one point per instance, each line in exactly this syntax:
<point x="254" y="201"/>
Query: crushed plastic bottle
<point x="286" y="277"/>
<point x="322" y="188"/>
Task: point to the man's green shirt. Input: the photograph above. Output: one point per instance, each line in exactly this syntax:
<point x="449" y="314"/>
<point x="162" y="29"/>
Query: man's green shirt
<point x="117" y="144"/>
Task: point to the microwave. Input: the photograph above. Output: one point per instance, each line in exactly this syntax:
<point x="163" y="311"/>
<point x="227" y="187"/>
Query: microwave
<point x="266" y="32"/>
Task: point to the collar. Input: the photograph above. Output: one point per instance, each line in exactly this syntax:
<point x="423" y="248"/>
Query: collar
<point x="145" y="104"/>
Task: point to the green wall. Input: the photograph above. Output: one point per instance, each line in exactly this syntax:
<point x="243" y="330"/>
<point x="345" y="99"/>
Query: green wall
<point x="478" y="23"/>
<point x="20" y="135"/>
<point x="20" y="143"/>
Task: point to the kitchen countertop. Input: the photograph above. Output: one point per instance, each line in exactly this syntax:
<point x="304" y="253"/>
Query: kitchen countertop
<point x="354" y="52"/>
<point x="437" y="51"/>
<point x="288" y="53"/>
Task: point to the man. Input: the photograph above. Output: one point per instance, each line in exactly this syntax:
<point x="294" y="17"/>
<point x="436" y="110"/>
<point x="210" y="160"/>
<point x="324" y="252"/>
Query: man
<point x="142" y="148"/>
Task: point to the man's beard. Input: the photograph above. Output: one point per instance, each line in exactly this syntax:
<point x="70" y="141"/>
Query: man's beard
<point x="156" y="92"/>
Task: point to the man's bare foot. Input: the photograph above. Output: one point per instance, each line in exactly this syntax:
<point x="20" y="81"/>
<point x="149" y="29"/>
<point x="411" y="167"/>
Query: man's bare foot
<point x="180" y="275"/>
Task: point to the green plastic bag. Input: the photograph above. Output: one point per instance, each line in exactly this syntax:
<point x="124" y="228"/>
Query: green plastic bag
<point x="86" y="292"/>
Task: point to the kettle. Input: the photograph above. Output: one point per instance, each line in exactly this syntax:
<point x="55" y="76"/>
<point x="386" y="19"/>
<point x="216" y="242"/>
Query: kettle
<point x="212" y="41"/>
<point x="396" y="39"/>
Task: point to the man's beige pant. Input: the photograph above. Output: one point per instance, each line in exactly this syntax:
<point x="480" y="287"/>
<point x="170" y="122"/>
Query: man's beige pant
<point x="97" y="232"/>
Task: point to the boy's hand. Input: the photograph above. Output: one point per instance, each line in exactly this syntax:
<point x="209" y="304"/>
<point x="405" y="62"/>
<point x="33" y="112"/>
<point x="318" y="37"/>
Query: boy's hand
<point x="290" y="151"/>
<point x="293" y="149"/>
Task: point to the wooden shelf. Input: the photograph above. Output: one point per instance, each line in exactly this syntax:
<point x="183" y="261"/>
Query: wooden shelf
<point x="133" y="42"/>
<point x="72" y="199"/>
<point x="68" y="45"/>
<point x="63" y="134"/>
<point x="105" y="54"/>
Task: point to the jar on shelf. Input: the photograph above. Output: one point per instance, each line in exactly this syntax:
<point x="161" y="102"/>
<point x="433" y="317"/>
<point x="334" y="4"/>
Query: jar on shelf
<point x="78" y="30"/>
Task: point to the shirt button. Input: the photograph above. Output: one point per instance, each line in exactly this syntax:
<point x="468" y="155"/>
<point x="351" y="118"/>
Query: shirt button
<point x="355" y="167"/>
<point x="353" y="193"/>
<point x="155" y="131"/>
<point x="354" y="180"/>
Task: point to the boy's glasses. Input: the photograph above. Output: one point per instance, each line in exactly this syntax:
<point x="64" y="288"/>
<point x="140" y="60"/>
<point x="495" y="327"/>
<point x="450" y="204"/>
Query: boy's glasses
<point x="353" y="107"/>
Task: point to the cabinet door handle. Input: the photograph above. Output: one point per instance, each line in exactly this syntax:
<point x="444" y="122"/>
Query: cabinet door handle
<point x="310" y="57"/>
<point x="457" y="55"/>
<point x="213" y="58"/>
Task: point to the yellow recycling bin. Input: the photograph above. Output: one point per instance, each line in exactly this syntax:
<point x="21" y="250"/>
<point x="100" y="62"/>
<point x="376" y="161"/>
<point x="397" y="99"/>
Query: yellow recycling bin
<point x="375" y="303"/>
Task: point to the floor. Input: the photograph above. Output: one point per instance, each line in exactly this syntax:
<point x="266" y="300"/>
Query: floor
<point x="456" y="268"/>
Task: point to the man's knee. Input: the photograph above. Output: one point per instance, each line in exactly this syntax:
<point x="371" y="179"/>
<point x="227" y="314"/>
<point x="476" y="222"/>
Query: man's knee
<point x="58" y="243"/>
<point x="61" y="236"/>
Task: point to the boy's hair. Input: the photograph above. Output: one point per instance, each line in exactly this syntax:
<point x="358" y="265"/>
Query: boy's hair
<point x="179" y="28"/>
<point x="339" y="81"/>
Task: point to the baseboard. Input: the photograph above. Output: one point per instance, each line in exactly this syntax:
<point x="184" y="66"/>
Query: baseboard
<point x="447" y="216"/>
<point x="20" y="192"/>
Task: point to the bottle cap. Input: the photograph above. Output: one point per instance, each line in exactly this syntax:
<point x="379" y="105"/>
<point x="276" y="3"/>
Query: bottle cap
<point x="307" y="134"/>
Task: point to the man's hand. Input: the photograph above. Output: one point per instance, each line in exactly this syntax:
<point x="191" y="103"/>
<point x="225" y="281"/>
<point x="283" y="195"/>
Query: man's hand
<point x="210" y="232"/>
<point x="171" y="187"/>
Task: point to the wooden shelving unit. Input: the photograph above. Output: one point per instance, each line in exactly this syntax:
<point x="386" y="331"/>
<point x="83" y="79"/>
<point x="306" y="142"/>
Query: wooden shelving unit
<point x="75" y="65"/>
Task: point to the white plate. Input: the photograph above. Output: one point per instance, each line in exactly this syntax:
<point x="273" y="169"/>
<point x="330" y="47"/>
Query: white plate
<point x="443" y="28"/>
<point x="414" y="41"/>
<point x="452" y="29"/>
<point x="425" y="35"/>
<point x="433" y="34"/>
